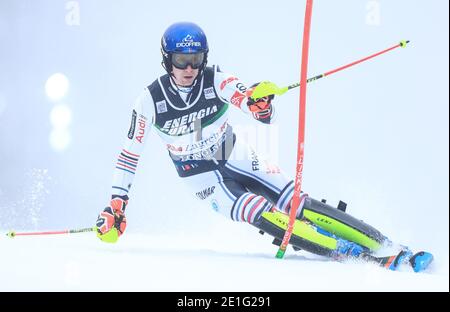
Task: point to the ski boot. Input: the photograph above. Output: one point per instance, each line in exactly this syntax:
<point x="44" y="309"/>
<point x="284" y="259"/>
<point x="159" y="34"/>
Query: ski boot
<point x="346" y="249"/>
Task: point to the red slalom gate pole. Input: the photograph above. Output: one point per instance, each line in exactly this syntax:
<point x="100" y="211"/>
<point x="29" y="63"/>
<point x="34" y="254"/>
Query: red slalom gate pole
<point x="301" y="131"/>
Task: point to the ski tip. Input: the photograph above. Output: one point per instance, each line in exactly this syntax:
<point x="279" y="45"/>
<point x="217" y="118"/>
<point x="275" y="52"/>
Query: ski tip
<point x="420" y="261"/>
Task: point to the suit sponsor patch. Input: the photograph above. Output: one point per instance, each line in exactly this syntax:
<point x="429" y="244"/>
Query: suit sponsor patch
<point x="215" y="205"/>
<point x="224" y="83"/>
<point x="237" y="99"/>
<point x="209" y="93"/>
<point x="206" y="193"/>
<point x="133" y="125"/>
<point x="141" y="130"/>
<point x="161" y="107"/>
<point x="186" y="123"/>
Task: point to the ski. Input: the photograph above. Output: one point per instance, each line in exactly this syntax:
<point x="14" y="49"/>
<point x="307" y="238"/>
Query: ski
<point x="419" y="261"/>
<point x="388" y="262"/>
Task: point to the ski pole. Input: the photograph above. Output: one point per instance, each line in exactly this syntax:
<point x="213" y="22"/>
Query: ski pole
<point x="13" y="234"/>
<point x="266" y="88"/>
<point x="402" y="44"/>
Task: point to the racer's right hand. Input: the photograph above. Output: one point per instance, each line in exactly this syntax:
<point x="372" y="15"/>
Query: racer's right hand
<point x="111" y="222"/>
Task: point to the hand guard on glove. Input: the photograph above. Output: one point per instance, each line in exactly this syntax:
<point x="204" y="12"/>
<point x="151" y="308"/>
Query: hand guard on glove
<point x="261" y="108"/>
<point x="111" y="222"/>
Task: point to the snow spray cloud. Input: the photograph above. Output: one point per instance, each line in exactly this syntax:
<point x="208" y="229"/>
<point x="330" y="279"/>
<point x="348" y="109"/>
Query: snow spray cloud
<point x="26" y="212"/>
<point x="2" y="104"/>
<point x="373" y="15"/>
<point x="72" y="13"/>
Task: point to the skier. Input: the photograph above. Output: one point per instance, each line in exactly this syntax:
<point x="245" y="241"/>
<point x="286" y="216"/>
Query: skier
<point x="189" y="109"/>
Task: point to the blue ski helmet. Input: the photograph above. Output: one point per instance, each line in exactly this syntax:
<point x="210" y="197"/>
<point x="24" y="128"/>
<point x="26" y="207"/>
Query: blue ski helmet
<point x="183" y="38"/>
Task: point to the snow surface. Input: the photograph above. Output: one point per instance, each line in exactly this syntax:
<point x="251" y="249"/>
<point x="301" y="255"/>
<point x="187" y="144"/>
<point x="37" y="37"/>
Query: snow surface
<point x="180" y="262"/>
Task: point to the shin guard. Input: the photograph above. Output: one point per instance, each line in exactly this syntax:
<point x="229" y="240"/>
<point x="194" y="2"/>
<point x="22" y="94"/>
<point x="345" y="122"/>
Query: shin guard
<point x="341" y="224"/>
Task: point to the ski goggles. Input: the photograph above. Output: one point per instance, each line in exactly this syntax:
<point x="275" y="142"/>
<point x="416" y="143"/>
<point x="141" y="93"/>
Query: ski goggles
<point x="181" y="61"/>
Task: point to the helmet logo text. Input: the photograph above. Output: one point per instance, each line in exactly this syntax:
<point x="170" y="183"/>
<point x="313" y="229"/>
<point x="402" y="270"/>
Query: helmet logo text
<point x="188" y="42"/>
